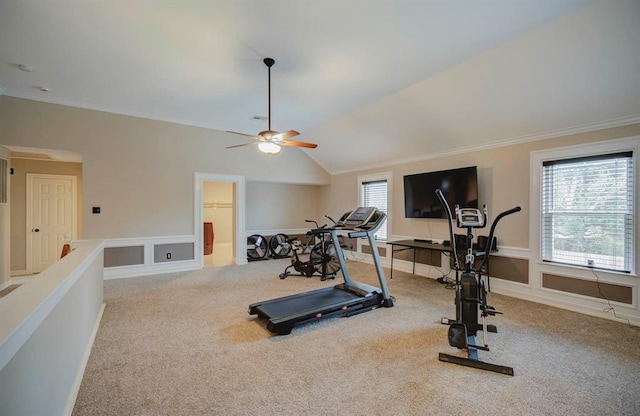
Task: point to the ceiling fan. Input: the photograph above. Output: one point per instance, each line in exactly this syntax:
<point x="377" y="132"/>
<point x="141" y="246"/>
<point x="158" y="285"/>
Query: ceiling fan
<point x="269" y="141"/>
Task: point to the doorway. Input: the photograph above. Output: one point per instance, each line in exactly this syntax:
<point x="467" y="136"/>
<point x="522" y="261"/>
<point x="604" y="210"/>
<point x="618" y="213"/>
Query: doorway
<point x="219" y="200"/>
<point x="218" y="213"/>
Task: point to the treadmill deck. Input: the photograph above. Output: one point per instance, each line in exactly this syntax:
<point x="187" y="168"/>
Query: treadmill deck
<point x="286" y="312"/>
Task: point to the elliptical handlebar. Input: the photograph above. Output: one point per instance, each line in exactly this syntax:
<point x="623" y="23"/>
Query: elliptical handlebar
<point x="492" y="231"/>
<point x="454" y="249"/>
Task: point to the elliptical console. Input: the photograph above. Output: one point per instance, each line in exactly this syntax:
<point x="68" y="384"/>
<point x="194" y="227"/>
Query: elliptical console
<point x="470" y="217"/>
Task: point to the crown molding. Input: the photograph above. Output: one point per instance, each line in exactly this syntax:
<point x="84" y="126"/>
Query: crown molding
<point x="600" y="125"/>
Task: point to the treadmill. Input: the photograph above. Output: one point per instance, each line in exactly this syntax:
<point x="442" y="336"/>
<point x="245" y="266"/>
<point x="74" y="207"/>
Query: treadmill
<point x="345" y="299"/>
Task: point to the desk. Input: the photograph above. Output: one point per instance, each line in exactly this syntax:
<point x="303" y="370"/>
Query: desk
<point x="413" y="245"/>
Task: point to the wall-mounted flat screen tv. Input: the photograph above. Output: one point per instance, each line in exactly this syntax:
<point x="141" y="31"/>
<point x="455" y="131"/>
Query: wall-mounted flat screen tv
<point x="459" y="186"/>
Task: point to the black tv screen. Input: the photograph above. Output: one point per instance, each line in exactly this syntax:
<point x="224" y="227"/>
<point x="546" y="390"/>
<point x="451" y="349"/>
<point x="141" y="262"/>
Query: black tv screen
<point x="459" y="186"/>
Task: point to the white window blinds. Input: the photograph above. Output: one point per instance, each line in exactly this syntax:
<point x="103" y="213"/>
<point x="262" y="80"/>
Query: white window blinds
<point x="587" y="211"/>
<point x="374" y="194"/>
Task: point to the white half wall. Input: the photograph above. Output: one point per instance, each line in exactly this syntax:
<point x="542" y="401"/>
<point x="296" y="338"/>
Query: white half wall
<point x="46" y="332"/>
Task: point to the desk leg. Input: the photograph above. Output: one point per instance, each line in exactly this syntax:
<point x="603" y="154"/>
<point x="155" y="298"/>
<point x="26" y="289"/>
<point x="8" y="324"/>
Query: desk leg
<point x="414" y="260"/>
<point x="391" y="271"/>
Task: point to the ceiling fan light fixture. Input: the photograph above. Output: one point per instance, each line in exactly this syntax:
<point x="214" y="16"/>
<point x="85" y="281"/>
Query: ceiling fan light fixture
<point x="269" y="148"/>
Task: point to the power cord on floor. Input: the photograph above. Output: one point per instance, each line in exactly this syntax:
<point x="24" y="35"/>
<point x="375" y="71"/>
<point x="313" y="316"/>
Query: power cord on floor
<point x="610" y="308"/>
<point x="445" y="280"/>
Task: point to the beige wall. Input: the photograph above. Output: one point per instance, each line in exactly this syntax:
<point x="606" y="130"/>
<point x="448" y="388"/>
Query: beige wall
<point x="141" y="172"/>
<point x="19" y="200"/>
<point x="274" y="206"/>
<point x="503" y="176"/>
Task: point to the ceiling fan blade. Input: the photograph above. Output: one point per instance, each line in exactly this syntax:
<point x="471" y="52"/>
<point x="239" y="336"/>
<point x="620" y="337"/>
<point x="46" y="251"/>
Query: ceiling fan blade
<point x="298" y="144"/>
<point x="285" y="135"/>
<point x="240" y="145"/>
<point x="242" y="134"/>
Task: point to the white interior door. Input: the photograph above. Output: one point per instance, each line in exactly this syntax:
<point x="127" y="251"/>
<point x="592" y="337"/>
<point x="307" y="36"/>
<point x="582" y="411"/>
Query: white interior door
<point x="52" y="214"/>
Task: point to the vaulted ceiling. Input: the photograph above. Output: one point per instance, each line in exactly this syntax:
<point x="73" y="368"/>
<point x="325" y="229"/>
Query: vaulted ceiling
<point x="372" y="82"/>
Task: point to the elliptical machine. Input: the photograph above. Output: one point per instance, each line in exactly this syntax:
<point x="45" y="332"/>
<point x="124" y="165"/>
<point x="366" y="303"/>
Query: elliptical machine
<point x="471" y="293"/>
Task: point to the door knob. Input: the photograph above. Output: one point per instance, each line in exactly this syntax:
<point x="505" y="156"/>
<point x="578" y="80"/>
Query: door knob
<point x="37" y="230"/>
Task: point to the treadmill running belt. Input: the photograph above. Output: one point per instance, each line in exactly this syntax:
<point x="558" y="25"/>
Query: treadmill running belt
<point x="306" y="304"/>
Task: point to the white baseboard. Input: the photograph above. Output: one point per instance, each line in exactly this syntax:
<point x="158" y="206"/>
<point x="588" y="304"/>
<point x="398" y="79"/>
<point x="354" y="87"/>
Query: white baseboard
<point x="225" y="244"/>
<point x="525" y="292"/>
<point x="124" y="272"/>
<point x="19" y="273"/>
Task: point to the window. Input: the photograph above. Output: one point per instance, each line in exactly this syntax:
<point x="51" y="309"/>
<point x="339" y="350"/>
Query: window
<point x="587" y="211"/>
<point x="374" y="193"/>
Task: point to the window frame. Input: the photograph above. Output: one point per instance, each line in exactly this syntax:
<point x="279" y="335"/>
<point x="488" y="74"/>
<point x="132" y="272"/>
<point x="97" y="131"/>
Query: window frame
<point x="538" y="158"/>
<point x="376" y="177"/>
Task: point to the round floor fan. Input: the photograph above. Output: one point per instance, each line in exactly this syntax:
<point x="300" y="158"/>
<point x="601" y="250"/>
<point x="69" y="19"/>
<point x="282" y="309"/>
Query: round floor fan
<point x="279" y="246"/>
<point x="256" y="247"/>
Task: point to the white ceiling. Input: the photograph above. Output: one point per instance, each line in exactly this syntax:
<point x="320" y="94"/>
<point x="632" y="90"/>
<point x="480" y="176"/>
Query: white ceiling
<point x="370" y="81"/>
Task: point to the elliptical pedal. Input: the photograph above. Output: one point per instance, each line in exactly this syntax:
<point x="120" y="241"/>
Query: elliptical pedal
<point x="492" y="312"/>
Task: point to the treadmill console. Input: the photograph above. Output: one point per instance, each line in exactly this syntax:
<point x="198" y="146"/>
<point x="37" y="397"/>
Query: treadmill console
<point x="359" y="217"/>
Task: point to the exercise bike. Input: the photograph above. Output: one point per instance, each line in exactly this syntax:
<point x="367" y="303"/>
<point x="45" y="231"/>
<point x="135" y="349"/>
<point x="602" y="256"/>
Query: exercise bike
<point x="323" y="259"/>
<point x="471" y="293"/>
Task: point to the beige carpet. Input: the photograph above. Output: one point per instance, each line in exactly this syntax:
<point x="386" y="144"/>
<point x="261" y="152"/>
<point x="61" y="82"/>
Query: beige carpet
<point x="184" y="344"/>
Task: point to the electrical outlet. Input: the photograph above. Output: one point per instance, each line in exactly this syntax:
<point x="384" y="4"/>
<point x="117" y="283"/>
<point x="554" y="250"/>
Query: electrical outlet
<point x="590" y="263"/>
<point x="168" y="256"/>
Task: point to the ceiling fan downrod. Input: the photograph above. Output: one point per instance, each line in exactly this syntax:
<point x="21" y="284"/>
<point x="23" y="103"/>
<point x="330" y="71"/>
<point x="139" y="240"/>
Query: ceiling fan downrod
<point x="269" y="63"/>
